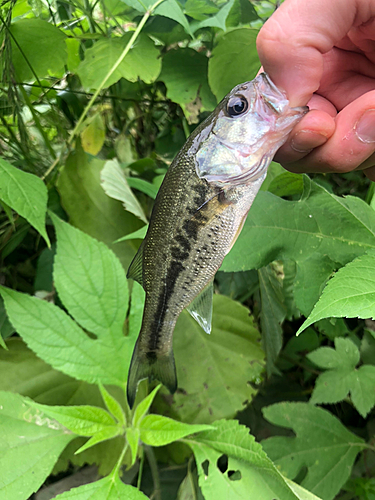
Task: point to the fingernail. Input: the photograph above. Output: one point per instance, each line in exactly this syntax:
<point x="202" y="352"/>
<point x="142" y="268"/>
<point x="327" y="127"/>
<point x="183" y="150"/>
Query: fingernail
<point x="306" y="140"/>
<point x="365" y="126"/>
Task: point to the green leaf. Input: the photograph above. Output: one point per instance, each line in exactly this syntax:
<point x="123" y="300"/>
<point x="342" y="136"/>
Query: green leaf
<point x="102" y="435"/>
<point x="139" y="234"/>
<point x="142" y="61"/>
<point x="23" y="372"/>
<point x="27" y="34"/>
<point x="132" y="436"/>
<point x="169" y="8"/>
<point x="113" y="405"/>
<point x="342" y="376"/>
<point x="249" y="472"/>
<point x="322" y="444"/>
<point x="218" y="20"/>
<point x="144" y="406"/>
<point x="82" y="420"/>
<point x="156" y="430"/>
<point x="200" y="9"/>
<point x="234" y="60"/>
<point x="29" y="447"/>
<point x="273" y="313"/>
<point x="143" y="186"/>
<point x="320" y="224"/>
<point x="6" y="329"/>
<point x="184" y="74"/>
<point x="116" y="186"/>
<point x="57" y="339"/>
<point x="215" y="372"/>
<point x="90" y="282"/>
<point x="90" y="209"/>
<point x="26" y="194"/>
<point x="109" y="488"/>
<point x="349" y="294"/>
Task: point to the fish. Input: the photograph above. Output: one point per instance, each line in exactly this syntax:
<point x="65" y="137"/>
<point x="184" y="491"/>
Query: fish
<point x="198" y="214"/>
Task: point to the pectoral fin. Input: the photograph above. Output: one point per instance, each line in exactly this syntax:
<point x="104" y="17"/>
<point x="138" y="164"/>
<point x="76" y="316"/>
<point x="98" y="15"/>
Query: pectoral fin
<point x="201" y="307"/>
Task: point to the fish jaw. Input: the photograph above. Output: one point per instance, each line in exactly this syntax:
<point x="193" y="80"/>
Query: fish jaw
<point x="239" y="149"/>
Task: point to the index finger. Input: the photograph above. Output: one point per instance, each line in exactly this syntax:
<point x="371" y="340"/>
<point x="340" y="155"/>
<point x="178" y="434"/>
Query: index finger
<point x="292" y="42"/>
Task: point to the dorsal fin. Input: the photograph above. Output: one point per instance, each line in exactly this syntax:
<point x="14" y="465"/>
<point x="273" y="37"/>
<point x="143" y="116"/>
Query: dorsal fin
<point x="135" y="271"/>
<point x="201" y="307"/>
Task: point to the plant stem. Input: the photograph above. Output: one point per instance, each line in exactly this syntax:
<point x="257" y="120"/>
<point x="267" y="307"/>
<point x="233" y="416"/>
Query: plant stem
<point x="140" y="472"/>
<point x="113" y="69"/>
<point x="116" y="468"/>
<point x="154" y="471"/>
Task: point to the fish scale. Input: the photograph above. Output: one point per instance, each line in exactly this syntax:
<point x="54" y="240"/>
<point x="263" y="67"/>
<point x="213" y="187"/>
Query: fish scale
<point x="197" y="216"/>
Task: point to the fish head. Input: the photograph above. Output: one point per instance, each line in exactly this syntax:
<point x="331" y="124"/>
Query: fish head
<point x="244" y="132"/>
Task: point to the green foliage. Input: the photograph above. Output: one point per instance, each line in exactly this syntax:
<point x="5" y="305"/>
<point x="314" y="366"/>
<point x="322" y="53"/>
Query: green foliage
<point x="236" y="53"/>
<point x="106" y="489"/>
<point x="245" y="472"/>
<point x="24" y="193"/>
<point x="26" y="34"/>
<point x="343" y="377"/>
<point x="322" y="444"/>
<point x="350" y="293"/>
<point x="142" y="62"/>
<point x="29" y="444"/>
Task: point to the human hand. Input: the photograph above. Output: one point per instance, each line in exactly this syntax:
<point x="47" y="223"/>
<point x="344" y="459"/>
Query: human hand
<point x="322" y="52"/>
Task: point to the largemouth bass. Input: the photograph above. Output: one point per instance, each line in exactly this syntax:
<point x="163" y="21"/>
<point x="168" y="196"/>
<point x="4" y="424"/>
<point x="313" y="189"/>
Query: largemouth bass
<point x="198" y="214"/>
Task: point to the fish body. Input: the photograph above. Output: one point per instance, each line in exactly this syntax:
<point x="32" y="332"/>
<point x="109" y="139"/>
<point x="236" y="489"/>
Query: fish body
<point x="199" y="212"/>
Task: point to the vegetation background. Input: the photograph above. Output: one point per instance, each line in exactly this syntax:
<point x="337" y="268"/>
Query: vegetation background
<point x="96" y="98"/>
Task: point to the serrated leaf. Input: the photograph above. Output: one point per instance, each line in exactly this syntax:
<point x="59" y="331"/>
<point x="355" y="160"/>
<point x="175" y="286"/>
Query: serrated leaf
<point x="113" y="405"/>
<point x="273" y="313"/>
<point x="322" y="444"/>
<point x="342" y="376"/>
<point x="169" y="8"/>
<point x="90" y="209"/>
<point x="234" y="60"/>
<point x="31" y="33"/>
<point x="58" y="340"/>
<point x="90" y="282"/>
<point x="103" y="435"/>
<point x="215" y="372"/>
<point x="29" y="447"/>
<point x="218" y="20"/>
<point x="318" y="224"/>
<point x="142" y="61"/>
<point x="109" y="488"/>
<point x="82" y="420"/>
<point x="249" y="473"/>
<point x="349" y="294"/>
<point x="144" y="406"/>
<point x="156" y="430"/>
<point x="184" y="73"/>
<point x="21" y="371"/>
<point x="26" y="194"/>
<point x="116" y="186"/>
<point x="132" y="436"/>
<point x="139" y="234"/>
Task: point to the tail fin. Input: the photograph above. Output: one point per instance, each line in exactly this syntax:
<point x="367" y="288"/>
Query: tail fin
<point x="152" y="366"/>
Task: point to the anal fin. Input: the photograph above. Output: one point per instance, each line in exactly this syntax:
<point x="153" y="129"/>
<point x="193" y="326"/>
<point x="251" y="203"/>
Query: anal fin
<point x="201" y="307"/>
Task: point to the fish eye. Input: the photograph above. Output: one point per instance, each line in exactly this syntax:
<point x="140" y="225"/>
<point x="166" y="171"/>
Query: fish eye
<point x="236" y="106"/>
